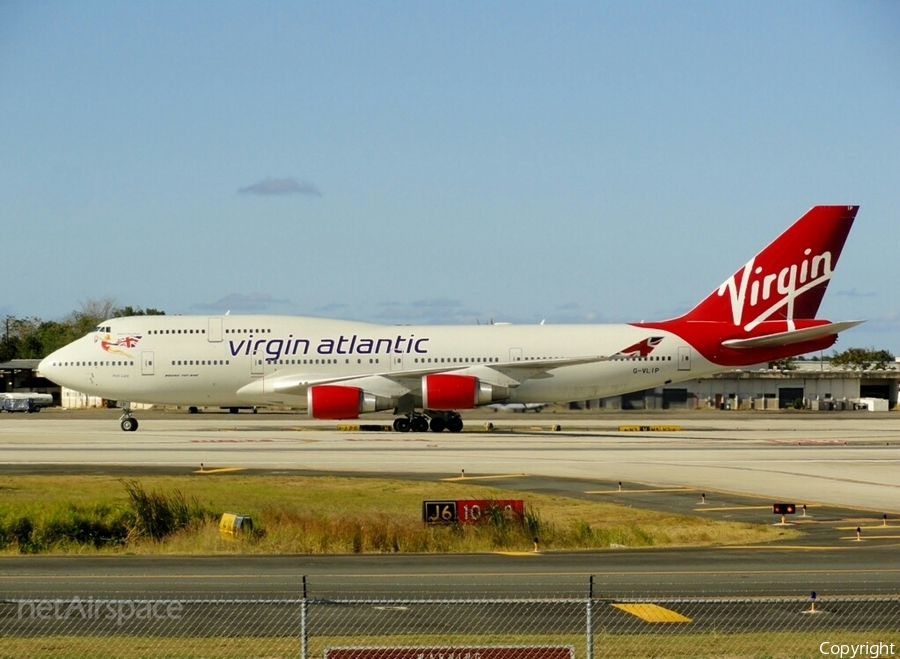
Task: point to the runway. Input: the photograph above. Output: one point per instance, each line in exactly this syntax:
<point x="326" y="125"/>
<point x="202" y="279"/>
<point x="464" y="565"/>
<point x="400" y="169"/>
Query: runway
<point x="727" y="466"/>
<point x="828" y="458"/>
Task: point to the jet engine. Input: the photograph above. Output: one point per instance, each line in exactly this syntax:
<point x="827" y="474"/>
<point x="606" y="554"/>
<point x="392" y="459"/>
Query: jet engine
<point x="332" y="401"/>
<point x="446" y="391"/>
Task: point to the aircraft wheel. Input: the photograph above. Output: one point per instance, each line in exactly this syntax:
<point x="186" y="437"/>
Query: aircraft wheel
<point x="129" y="424"/>
<point x="419" y="423"/>
<point x="193" y="409"/>
<point x="438" y="424"/>
<point x="454" y="424"/>
<point x="401" y="424"/>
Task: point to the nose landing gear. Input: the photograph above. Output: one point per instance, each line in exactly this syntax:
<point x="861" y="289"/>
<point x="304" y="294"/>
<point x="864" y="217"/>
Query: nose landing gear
<point x="127" y="421"/>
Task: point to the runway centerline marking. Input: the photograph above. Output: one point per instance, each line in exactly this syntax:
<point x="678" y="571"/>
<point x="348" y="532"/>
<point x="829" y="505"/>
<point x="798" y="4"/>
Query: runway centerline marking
<point x="648" y="491"/>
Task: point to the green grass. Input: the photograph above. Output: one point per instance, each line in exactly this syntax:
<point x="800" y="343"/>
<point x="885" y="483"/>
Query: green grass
<point x="179" y="514"/>
<point x="682" y="645"/>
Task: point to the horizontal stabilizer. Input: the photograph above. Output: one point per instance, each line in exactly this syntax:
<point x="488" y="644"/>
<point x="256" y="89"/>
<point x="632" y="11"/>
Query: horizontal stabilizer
<point x="792" y="336"/>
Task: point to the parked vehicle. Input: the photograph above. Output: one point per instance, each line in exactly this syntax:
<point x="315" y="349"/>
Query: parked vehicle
<point x="25" y="402"/>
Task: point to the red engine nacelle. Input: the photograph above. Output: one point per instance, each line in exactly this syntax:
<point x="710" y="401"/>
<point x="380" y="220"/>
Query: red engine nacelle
<point x="333" y="401"/>
<point x="445" y="391"/>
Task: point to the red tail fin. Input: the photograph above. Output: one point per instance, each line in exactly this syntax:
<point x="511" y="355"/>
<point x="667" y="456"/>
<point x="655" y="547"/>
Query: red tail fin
<point x="787" y="279"/>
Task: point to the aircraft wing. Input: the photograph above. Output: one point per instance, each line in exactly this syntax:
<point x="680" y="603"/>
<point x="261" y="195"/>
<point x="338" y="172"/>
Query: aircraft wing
<point x="507" y="374"/>
<point x="792" y="336"/>
<point x="527" y="369"/>
<point x="398" y="383"/>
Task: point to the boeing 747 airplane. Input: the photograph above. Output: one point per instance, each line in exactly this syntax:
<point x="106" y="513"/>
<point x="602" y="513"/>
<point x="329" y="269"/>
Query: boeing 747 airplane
<point x="339" y="369"/>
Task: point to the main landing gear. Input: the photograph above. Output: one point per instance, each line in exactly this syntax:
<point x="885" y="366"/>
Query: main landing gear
<point x="435" y="421"/>
<point x="127" y="420"/>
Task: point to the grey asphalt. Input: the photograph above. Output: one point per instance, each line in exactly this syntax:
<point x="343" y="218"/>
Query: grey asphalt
<point x="843" y="459"/>
<point x="843" y="467"/>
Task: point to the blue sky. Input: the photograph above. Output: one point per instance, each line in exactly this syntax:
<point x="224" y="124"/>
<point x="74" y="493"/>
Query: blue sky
<point x="441" y="162"/>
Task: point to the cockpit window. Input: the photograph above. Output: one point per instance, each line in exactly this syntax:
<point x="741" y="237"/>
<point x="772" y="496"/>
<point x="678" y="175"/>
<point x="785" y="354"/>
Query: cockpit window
<point x="102" y="328"/>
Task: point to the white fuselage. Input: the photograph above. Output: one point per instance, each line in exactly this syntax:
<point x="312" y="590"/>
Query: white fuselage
<point x="209" y="360"/>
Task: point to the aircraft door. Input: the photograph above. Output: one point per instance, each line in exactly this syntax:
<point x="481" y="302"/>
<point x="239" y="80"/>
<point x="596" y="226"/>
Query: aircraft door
<point x="515" y="354"/>
<point x="215" y="334"/>
<point x="684" y="358"/>
<point x="396" y="361"/>
<point x="257" y="365"/>
<point x="147" y="362"/>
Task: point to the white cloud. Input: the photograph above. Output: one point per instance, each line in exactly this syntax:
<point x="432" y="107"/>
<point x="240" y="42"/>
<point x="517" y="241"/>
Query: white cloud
<point x="281" y="186"/>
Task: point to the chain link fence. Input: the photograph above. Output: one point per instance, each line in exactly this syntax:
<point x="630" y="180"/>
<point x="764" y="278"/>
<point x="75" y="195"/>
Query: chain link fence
<point x="472" y="627"/>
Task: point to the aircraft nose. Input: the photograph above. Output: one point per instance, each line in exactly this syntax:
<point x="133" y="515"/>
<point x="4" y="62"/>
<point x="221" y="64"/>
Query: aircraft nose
<point x="48" y="366"/>
<point x="44" y="366"/>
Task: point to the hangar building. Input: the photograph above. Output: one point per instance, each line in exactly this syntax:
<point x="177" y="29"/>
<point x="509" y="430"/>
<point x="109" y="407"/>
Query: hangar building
<point x="811" y="385"/>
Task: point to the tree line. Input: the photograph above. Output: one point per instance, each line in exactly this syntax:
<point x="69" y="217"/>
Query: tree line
<point x="33" y="338"/>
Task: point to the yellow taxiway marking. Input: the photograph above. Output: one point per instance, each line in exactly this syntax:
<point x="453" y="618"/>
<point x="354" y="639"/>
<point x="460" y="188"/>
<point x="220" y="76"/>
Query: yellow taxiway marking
<point x="713" y="509"/>
<point x="357" y="427"/>
<point x="220" y="470"/>
<point x="871" y="537"/>
<point x="791" y="547"/>
<point x="652" y="612"/>
<point x="650" y="490"/>
<point x="865" y="528"/>
<point x="475" y="478"/>
<point x="517" y="553"/>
